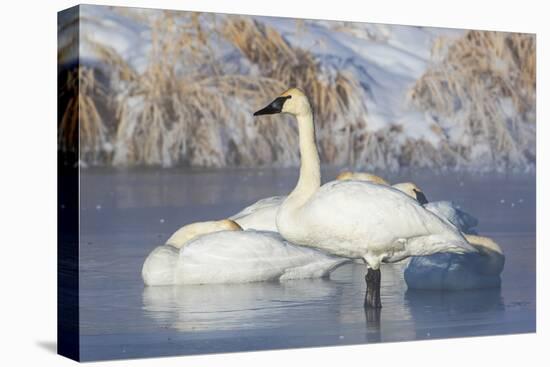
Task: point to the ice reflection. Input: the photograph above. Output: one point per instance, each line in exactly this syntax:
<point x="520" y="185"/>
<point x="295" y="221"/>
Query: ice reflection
<point x="118" y="315"/>
<point x="319" y="303"/>
<point x="453" y="302"/>
<point x="236" y="306"/>
<point x="437" y="313"/>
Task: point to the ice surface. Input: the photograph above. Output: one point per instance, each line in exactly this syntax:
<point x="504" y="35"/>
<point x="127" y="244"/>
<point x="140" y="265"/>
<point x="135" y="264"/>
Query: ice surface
<point x="120" y="318"/>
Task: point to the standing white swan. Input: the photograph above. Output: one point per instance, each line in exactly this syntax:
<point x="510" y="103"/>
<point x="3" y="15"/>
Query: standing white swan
<point x="355" y="219"/>
<point x="262" y="214"/>
<point x="220" y="252"/>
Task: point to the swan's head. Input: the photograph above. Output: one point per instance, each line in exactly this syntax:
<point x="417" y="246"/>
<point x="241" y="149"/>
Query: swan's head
<point x="193" y="230"/>
<point x="361" y="176"/>
<point x="413" y="191"/>
<point x="292" y="101"/>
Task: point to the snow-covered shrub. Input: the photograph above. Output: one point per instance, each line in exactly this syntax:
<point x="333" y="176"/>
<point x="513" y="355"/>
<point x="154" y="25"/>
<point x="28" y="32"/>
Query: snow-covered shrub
<point x="481" y="91"/>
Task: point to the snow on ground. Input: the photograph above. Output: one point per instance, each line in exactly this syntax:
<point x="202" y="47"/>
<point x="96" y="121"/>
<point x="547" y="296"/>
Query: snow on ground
<point x="386" y="60"/>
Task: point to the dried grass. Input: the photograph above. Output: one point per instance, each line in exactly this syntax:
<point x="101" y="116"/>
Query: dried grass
<point x="200" y="116"/>
<point x="166" y="116"/>
<point x="81" y="118"/>
<point x="338" y="99"/>
<point x="185" y="108"/>
<point x="474" y="84"/>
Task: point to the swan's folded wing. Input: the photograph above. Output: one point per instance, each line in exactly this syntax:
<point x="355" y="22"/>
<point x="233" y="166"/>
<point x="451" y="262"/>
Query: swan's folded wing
<point x="373" y="214"/>
<point x="260" y="204"/>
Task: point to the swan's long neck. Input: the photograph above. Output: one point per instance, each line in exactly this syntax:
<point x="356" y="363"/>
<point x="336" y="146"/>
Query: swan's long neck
<point x="310" y="170"/>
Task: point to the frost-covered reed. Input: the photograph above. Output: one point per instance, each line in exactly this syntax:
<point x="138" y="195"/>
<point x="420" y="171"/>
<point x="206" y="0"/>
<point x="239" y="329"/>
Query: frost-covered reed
<point x="481" y="91"/>
<point x="81" y="118"/>
<point x="191" y="102"/>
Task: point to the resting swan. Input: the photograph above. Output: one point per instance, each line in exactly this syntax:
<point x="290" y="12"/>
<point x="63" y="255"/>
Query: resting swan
<point x="353" y="219"/>
<point x="362" y="176"/>
<point x="458" y="272"/>
<point x="221" y="252"/>
<point x="193" y="230"/>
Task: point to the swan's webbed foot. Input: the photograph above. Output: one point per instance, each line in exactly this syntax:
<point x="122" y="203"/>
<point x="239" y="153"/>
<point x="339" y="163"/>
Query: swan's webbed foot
<point x="372" y="296"/>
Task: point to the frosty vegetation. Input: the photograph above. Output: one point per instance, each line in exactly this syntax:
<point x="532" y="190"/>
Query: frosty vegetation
<point x="169" y="88"/>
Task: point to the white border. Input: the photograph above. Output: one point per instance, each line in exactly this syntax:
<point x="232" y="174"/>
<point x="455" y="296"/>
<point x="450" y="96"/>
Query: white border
<point x="28" y="146"/>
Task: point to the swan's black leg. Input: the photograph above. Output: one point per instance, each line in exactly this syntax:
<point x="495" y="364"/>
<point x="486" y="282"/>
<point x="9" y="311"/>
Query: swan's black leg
<point x="372" y="296"/>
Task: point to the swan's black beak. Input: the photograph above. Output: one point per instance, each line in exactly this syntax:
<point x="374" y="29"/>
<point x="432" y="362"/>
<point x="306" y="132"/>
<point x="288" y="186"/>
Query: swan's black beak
<point x="274" y="107"/>
<point x="422" y="199"/>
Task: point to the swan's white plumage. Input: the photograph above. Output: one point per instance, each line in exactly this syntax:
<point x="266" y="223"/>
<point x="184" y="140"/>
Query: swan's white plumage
<point x="457" y="272"/>
<point x="260" y="215"/>
<point x="159" y="267"/>
<point x="363" y="220"/>
<point x="236" y="257"/>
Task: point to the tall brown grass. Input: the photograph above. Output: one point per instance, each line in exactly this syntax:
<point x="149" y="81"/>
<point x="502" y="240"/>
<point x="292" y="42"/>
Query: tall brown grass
<point x="167" y="116"/>
<point x="81" y="120"/>
<point x="189" y="105"/>
<point x="201" y="116"/>
<point x="338" y="101"/>
<point x="473" y="83"/>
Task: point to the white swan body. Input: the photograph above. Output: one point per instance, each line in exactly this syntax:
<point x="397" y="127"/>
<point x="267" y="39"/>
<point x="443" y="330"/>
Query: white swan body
<point x="354" y="219"/>
<point x="260" y="215"/>
<point x="362" y="220"/>
<point x="235" y="257"/>
<point x="458" y="272"/>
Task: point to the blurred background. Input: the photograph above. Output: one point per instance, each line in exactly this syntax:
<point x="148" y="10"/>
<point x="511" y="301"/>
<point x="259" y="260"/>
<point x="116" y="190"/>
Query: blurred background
<point x="166" y="88"/>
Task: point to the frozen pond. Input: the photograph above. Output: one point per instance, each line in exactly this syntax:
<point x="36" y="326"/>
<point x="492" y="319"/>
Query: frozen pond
<point x="126" y="213"/>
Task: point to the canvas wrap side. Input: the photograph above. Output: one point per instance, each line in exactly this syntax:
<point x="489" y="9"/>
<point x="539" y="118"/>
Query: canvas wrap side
<point x="68" y="343"/>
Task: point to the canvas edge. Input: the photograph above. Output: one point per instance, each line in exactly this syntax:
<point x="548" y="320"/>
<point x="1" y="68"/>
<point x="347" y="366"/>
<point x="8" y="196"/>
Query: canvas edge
<point x="68" y="205"/>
